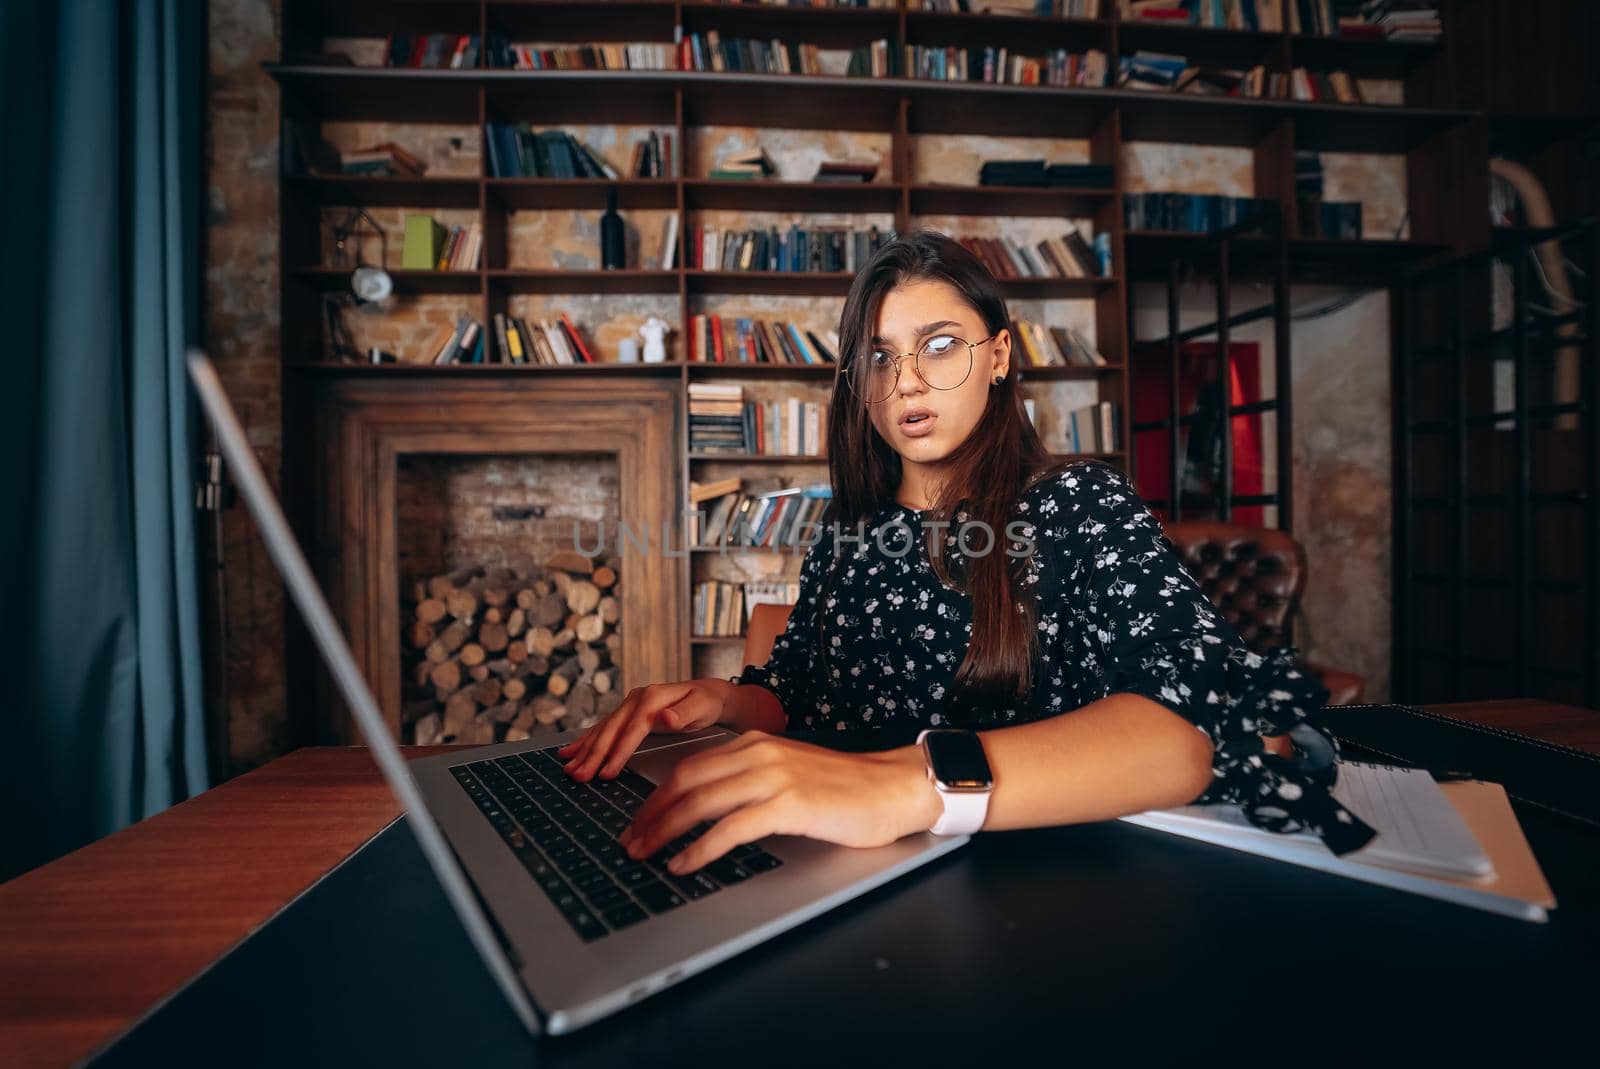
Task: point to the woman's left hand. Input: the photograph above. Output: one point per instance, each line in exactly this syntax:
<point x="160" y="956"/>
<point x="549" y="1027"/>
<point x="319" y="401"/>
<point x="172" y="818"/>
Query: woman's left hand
<point x="761" y="784"/>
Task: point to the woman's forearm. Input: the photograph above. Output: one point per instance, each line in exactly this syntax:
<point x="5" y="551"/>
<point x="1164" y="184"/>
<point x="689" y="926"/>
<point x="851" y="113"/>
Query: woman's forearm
<point x="752" y="708"/>
<point x="1122" y="754"/>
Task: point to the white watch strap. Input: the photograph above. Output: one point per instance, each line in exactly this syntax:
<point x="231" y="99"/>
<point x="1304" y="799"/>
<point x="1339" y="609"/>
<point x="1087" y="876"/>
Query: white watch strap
<point x="964" y="812"/>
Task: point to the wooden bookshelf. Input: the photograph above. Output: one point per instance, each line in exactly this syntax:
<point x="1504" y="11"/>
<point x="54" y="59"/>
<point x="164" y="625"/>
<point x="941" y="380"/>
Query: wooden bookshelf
<point x="1429" y="133"/>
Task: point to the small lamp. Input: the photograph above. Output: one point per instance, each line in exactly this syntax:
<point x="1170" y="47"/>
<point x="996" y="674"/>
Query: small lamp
<point x="371" y="287"/>
<point x="370" y="283"/>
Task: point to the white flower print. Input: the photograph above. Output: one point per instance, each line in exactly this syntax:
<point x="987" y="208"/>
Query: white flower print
<point x="1114" y="611"/>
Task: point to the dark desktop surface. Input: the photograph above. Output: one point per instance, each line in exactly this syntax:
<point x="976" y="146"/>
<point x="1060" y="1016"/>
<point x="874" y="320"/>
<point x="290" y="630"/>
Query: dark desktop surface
<point x="1101" y="941"/>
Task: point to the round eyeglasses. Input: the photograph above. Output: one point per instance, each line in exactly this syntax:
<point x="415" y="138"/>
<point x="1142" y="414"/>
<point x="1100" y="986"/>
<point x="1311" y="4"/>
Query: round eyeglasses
<point x="943" y="362"/>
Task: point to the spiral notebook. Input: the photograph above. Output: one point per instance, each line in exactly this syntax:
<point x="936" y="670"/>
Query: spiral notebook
<point x="1457" y="841"/>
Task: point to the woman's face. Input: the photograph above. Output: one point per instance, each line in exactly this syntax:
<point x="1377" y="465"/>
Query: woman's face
<point x="922" y="423"/>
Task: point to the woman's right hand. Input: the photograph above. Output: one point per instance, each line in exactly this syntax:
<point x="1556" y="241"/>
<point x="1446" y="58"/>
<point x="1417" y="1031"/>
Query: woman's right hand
<point x="690" y="705"/>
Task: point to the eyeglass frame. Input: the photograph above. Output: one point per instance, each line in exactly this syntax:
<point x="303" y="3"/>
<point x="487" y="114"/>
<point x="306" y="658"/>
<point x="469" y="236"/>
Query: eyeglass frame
<point x="900" y="358"/>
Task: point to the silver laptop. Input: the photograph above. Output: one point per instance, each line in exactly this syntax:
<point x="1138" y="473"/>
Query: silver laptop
<point x="569" y="927"/>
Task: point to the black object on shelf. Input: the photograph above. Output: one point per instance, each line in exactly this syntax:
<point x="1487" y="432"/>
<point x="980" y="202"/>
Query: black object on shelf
<point x="613" y="247"/>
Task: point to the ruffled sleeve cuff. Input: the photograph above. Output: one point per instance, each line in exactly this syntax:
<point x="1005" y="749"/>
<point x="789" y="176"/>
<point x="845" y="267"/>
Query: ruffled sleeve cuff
<point x="1283" y="794"/>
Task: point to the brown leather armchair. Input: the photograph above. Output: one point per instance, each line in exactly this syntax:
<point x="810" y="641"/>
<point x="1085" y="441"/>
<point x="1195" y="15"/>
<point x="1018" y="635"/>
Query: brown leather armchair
<point x="1255" y="576"/>
<point x="766" y="623"/>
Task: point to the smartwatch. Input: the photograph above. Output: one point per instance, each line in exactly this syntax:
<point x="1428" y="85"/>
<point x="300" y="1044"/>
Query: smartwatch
<point x="960" y="773"/>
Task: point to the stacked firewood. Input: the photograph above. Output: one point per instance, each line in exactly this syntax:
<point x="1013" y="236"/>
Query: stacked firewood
<point x="497" y="655"/>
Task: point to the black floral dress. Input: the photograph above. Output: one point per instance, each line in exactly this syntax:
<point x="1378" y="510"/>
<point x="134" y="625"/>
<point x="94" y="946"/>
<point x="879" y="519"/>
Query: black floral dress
<point x="1117" y="613"/>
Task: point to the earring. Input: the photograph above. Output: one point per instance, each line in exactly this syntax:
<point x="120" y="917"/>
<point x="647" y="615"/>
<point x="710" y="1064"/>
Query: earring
<point x="998" y="379"/>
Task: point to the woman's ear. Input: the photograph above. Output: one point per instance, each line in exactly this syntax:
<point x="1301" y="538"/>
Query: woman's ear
<point x="1002" y="355"/>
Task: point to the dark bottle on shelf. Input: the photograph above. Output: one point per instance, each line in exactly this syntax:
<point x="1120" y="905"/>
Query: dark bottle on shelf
<point x="613" y="248"/>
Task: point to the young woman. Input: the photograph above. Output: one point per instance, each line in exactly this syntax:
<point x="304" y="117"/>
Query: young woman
<point x="963" y="580"/>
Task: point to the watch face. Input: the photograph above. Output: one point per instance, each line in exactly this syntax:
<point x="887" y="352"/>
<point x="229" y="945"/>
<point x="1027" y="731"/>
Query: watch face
<point x="957" y="759"/>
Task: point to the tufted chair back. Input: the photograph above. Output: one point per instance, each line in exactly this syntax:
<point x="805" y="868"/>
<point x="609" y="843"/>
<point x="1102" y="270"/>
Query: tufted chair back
<point x="1254" y="576"/>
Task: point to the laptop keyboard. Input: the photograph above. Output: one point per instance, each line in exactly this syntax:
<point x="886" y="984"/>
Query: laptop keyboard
<point x="565" y="834"/>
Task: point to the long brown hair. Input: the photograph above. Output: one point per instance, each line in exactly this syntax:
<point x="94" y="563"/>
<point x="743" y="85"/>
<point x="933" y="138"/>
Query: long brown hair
<point x="984" y="476"/>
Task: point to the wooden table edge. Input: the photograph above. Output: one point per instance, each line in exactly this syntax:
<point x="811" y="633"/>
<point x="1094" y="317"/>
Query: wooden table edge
<point x="77" y="977"/>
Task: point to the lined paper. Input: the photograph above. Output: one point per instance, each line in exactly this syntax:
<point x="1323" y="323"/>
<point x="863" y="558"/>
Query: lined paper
<point x="1417" y="826"/>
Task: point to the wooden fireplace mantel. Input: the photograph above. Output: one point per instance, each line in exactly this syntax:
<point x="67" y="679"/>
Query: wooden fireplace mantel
<point x="362" y="427"/>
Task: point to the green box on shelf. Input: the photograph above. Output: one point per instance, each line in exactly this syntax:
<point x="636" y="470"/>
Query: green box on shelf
<point x="423" y="244"/>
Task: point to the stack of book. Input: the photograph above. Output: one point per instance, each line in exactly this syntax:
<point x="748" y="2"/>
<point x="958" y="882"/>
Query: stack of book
<point x="1263" y="15"/>
<point x="722" y="421"/>
<point x="708" y="51"/>
<point x="430" y="246"/>
<point x="462" y="249"/>
<point x="607" y="56"/>
<point x="1225" y="81"/>
<point x="549" y="342"/>
<point x="1094" y="429"/>
<point x="1392" y="20"/>
<point x="717" y="609"/>
<point x="1068" y="256"/>
<point x="1192" y="212"/>
<point x="458" y="344"/>
<point x="1039" y="173"/>
<point x="1336" y="86"/>
<point x="725" y="514"/>
<point x="434" y="50"/>
<point x="957" y="63"/>
<point x="516" y="150"/>
<point x="1071" y="9"/>
<point x="653" y="158"/>
<point x="1042" y="346"/>
<point x="747" y="340"/>
<point x="385" y="159"/>
<point x="1150" y="70"/>
<point x="819" y="248"/>
<point x="1160" y="71"/>
<point x="719" y="421"/>
<point x="769" y="592"/>
<point x="1400" y="20"/>
<point x="747" y="164"/>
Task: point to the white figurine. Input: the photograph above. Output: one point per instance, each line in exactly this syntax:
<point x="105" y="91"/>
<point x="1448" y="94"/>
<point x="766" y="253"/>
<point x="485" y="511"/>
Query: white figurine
<point x="655" y="333"/>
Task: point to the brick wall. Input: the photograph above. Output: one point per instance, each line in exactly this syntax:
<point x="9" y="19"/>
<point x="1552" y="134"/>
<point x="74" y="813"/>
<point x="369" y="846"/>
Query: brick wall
<point x="241" y="332"/>
<point x="512" y="511"/>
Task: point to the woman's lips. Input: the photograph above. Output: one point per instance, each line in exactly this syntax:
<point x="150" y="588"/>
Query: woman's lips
<point x="920" y="429"/>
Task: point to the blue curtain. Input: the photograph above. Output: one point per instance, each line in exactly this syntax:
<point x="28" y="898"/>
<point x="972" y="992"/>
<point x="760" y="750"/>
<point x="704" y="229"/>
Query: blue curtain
<point x="103" y="106"/>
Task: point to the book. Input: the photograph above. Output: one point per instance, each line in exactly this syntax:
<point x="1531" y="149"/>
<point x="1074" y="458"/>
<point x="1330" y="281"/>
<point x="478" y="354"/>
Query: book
<point x="669" y="243"/>
<point x="1005" y="66"/>
<point x="436" y="50"/>
<point x="501" y="51"/>
<point x="582" y="347"/>
<point x="769" y="592"/>
<point x="751" y="163"/>
<point x="699" y="492"/>
<point x="423" y="242"/>
<point x="1457" y="842"/>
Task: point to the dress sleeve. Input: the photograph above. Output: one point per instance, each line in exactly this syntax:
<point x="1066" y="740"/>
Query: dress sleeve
<point x="1156" y="634"/>
<point x="793" y="672"/>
